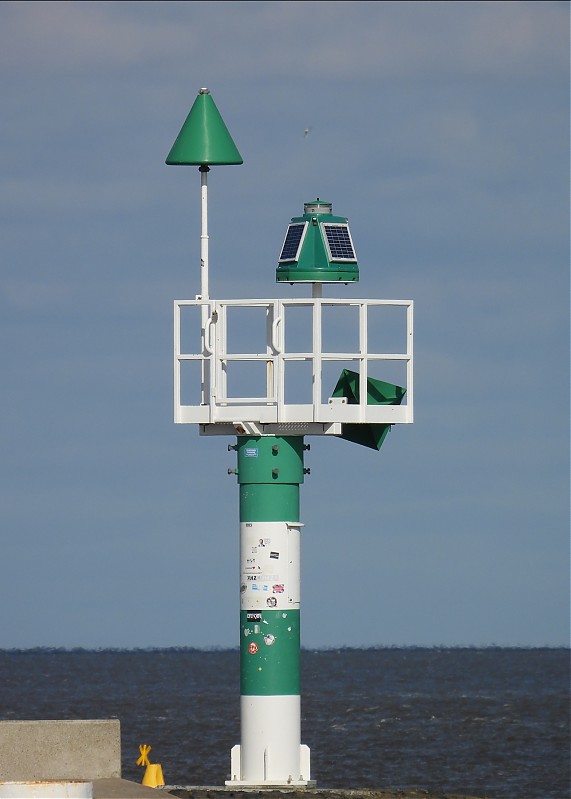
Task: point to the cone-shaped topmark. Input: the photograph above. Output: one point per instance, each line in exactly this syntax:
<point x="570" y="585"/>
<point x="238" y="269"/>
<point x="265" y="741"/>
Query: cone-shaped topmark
<point x="204" y="138"/>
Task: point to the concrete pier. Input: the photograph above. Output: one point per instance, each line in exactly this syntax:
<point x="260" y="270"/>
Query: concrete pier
<point x="90" y="750"/>
<point x="191" y="792"/>
<point x="60" y="750"/>
<point x="121" y="789"/>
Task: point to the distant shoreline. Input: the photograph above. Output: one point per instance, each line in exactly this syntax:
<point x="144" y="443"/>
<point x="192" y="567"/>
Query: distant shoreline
<point x="317" y="650"/>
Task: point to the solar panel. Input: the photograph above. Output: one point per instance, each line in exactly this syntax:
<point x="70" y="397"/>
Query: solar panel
<point x="339" y="243"/>
<point x="292" y="243"/>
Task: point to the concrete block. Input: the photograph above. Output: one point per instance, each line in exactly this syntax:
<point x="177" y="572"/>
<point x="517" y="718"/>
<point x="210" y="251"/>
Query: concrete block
<point x="60" y="750"/>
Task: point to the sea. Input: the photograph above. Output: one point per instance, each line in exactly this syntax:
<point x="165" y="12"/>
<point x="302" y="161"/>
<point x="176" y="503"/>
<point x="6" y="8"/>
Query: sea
<point x="490" y="722"/>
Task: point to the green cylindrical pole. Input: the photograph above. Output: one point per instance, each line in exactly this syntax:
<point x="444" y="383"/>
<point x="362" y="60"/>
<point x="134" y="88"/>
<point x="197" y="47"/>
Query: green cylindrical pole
<point x="270" y="471"/>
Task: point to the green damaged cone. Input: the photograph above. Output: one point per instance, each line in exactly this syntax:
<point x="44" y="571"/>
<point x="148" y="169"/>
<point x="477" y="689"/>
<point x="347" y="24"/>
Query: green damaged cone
<point x="378" y="393"/>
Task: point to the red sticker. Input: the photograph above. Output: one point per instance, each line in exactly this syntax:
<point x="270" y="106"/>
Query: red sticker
<point x="252" y="648"/>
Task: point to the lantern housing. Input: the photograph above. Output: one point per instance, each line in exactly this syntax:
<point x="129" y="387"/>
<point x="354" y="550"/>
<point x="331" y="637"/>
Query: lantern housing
<point x="317" y="248"/>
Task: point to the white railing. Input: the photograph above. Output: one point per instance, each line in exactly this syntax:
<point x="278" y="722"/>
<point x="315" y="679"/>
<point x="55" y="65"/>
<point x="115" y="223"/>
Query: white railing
<point x="228" y="343"/>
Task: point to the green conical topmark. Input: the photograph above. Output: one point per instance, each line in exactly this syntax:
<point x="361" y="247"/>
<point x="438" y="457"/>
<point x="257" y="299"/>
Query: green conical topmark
<point x="204" y="138"/>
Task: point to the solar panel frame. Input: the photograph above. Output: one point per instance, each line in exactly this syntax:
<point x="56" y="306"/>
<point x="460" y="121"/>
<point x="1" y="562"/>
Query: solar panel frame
<point x="292" y="257"/>
<point x="339" y="248"/>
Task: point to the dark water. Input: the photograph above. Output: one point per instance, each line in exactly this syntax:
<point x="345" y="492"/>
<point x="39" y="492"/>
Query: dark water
<point x="490" y="722"/>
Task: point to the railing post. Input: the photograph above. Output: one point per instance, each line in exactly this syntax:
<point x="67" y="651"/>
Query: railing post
<point x="316" y="360"/>
<point x="363" y="364"/>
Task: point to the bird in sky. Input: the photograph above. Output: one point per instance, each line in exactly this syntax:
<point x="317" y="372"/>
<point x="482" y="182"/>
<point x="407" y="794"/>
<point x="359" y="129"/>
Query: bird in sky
<point x="306" y="132"/>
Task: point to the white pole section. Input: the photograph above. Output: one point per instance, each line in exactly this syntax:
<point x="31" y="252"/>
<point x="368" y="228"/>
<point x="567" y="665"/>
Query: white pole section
<point x="204" y="232"/>
<point x="204" y="312"/>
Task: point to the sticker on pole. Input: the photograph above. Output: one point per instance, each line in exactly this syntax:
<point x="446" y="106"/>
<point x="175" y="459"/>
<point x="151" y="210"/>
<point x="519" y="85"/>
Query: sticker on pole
<point x="252" y="648"/>
<point x="251" y="452"/>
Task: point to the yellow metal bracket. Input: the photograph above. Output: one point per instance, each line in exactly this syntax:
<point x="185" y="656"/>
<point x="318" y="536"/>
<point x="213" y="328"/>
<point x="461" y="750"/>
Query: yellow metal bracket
<point x="144" y="749"/>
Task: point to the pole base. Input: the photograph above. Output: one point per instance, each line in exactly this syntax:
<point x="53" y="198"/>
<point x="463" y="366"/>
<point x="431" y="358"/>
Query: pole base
<point x="292" y="784"/>
<point x="268" y="781"/>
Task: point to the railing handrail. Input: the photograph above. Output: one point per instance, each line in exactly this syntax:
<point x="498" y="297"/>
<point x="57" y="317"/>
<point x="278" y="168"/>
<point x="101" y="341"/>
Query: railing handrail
<point x="216" y="406"/>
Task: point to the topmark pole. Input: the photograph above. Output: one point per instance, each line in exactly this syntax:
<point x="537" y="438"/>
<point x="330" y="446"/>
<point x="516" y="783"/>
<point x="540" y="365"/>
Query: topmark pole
<point x="204" y="170"/>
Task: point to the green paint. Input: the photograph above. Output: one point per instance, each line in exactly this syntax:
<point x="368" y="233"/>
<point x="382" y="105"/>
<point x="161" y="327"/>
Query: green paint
<point x="269" y="503"/>
<point x="378" y="391"/>
<point x="204" y="138"/>
<point x="270" y="469"/>
<point x="276" y="460"/>
<point x="269" y="654"/>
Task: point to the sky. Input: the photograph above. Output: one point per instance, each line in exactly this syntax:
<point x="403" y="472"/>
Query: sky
<point x="441" y="130"/>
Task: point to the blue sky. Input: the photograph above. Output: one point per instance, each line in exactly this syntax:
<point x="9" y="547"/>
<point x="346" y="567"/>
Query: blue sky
<point x="442" y="131"/>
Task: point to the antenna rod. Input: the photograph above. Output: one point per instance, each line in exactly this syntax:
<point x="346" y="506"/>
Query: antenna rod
<point x="204" y="170"/>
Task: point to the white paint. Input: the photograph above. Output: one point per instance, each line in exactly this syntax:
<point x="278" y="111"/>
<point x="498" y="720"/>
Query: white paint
<point x="263" y="576"/>
<point x="270" y="753"/>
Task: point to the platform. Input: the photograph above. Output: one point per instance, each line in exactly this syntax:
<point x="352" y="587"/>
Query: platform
<point x="269" y="367"/>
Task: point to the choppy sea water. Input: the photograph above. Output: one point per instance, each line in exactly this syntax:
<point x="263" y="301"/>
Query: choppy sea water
<point x="488" y="722"/>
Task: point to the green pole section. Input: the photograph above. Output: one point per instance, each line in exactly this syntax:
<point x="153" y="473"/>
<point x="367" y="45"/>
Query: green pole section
<point x="270" y="471"/>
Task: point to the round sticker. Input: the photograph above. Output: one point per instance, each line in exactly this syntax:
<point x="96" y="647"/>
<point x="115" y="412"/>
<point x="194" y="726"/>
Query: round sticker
<point x="252" y="648"/>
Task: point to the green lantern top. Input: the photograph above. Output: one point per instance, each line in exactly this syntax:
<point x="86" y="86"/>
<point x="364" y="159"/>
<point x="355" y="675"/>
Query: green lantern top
<point x="204" y="138"/>
<point x="317" y="248"/>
